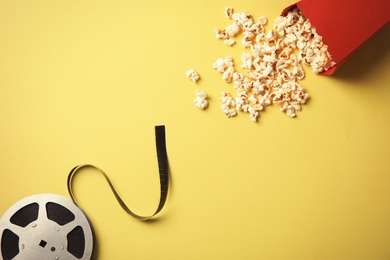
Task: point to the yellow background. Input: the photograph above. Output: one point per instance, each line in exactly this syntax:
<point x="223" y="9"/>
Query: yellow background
<point x="86" y="82"/>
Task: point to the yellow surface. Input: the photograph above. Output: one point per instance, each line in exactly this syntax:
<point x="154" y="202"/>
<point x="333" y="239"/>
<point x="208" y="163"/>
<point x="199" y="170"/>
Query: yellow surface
<point x="87" y="81"/>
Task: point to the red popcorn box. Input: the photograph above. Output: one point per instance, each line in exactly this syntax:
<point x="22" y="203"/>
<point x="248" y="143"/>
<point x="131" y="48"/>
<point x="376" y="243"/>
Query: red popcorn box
<point x="344" y="24"/>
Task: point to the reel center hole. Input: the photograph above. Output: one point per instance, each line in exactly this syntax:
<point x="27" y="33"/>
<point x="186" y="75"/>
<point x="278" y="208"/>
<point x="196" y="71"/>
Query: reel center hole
<point x="43" y="243"/>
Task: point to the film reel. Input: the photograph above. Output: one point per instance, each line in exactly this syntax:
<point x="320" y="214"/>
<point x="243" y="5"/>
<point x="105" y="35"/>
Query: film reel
<point x="45" y="226"/>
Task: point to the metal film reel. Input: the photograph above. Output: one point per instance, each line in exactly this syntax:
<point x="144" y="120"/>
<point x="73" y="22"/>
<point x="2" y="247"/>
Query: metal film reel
<point x="45" y="227"/>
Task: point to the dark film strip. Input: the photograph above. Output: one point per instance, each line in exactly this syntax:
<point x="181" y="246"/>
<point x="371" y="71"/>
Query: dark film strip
<point x="162" y="159"/>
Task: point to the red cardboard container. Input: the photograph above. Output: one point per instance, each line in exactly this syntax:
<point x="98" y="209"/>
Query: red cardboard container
<point x="344" y="24"/>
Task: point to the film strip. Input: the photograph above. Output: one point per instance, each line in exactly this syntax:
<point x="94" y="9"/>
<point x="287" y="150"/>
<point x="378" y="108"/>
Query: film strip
<point x="162" y="160"/>
<point x="49" y="226"/>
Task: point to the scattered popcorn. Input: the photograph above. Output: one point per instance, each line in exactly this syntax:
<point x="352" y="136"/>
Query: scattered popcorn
<point x="290" y="96"/>
<point x="262" y="20"/>
<point x="221" y="34"/>
<point x="229" y="42"/>
<point x="225" y="66"/>
<point x="273" y="63"/>
<point x="192" y="75"/>
<point x="228" y="104"/>
<point x="301" y="35"/>
<point x="201" y="99"/>
<point x="232" y="29"/>
<point x="229" y="12"/>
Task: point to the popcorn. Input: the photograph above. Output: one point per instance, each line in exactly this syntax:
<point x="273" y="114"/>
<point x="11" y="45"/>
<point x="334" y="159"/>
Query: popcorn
<point x="227" y="75"/>
<point x="243" y="19"/>
<point x="225" y="66"/>
<point x="262" y="20"/>
<point x="201" y="99"/>
<point x="291" y="95"/>
<point x="229" y="12"/>
<point x="232" y="29"/>
<point x="228" y="104"/>
<point x="222" y="64"/>
<point x="221" y="34"/>
<point x="229" y="42"/>
<point x="253" y="114"/>
<point x="273" y="63"/>
<point x="192" y="75"/>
